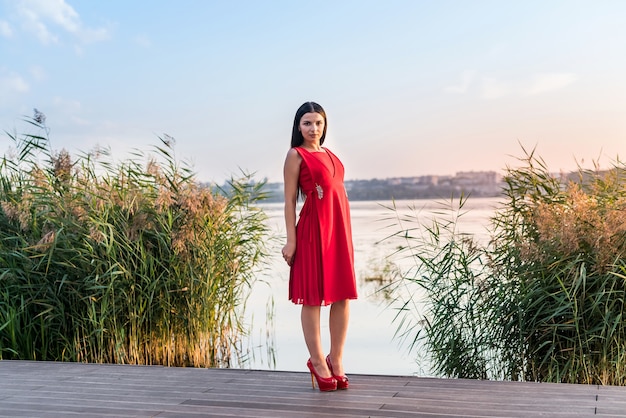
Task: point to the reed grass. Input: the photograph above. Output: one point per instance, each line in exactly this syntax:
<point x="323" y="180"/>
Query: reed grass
<point x="543" y="300"/>
<point x="132" y="262"/>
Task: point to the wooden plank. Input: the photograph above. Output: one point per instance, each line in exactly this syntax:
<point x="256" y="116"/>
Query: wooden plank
<point x="48" y="389"/>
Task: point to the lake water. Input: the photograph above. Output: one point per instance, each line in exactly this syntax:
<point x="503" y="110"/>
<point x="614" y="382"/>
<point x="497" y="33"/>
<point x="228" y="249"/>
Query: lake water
<point x="276" y="341"/>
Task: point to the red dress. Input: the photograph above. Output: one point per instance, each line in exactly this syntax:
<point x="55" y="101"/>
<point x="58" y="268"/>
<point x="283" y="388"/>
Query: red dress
<point x="322" y="271"/>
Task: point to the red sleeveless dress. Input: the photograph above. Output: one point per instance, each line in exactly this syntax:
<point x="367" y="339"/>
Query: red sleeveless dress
<point x="322" y="271"/>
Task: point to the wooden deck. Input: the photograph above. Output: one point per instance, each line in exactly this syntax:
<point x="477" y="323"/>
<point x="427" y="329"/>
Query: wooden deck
<point x="48" y="389"/>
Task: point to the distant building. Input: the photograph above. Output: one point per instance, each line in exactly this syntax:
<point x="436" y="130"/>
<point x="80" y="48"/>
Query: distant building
<point x="482" y="183"/>
<point x="477" y="177"/>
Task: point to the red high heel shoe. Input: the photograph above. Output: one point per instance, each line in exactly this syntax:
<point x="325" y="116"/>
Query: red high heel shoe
<point x="342" y="381"/>
<point x="326" y="384"/>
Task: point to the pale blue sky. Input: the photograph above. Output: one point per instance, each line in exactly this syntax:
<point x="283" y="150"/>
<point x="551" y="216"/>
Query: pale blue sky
<point x="411" y="87"/>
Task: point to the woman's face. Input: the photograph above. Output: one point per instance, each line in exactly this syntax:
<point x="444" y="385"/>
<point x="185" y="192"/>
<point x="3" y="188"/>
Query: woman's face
<point x="311" y="127"/>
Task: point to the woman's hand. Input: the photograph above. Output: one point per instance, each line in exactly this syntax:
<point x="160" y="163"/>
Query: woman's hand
<point x="289" y="250"/>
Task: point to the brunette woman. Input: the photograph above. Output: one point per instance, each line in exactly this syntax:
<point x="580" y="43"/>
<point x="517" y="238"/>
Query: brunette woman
<point x="319" y="244"/>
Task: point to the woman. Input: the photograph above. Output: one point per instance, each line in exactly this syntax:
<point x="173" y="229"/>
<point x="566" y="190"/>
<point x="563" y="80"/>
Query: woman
<point x="319" y="248"/>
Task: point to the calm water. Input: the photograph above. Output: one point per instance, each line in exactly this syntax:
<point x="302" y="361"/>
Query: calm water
<point x="371" y="347"/>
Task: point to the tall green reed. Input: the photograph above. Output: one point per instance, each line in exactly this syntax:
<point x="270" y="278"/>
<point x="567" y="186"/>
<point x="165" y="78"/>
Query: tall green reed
<point x="133" y="262"/>
<point x="543" y="300"/>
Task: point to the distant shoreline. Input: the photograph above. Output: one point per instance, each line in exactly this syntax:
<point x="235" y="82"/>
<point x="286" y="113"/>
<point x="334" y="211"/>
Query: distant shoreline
<point x="466" y="183"/>
<point x="475" y="183"/>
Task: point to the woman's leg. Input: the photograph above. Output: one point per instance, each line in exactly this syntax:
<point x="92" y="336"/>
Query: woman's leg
<point x="338" y="322"/>
<point x="310" y="318"/>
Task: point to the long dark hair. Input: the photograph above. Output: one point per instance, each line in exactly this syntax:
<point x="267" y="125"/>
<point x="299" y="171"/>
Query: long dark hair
<point x="308" y="107"/>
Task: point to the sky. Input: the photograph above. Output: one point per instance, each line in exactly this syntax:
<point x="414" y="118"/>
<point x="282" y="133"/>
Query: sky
<point x="410" y="87"/>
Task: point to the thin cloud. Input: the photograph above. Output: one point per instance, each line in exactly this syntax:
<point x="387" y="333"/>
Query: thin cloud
<point x="38" y="73"/>
<point x="495" y="89"/>
<point x="45" y="18"/>
<point x="5" y="29"/>
<point x="11" y="83"/>
<point x="492" y="88"/>
<point x="67" y="105"/>
<point x="142" y="41"/>
<point x="548" y="82"/>
<point x="461" y="88"/>
<point x="69" y="109"/>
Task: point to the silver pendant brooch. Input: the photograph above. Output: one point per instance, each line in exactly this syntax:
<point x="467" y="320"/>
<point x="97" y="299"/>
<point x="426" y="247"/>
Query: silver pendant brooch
<point x="320" y="191"/>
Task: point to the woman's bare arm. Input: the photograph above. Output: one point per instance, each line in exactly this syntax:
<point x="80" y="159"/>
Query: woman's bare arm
<point x="291" y="173"/>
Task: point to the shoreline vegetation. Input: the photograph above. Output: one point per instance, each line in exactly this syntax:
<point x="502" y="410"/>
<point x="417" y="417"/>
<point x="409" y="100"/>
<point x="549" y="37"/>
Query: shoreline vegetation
<point x="129" y="263"/>
<point x="543" y="300"/>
